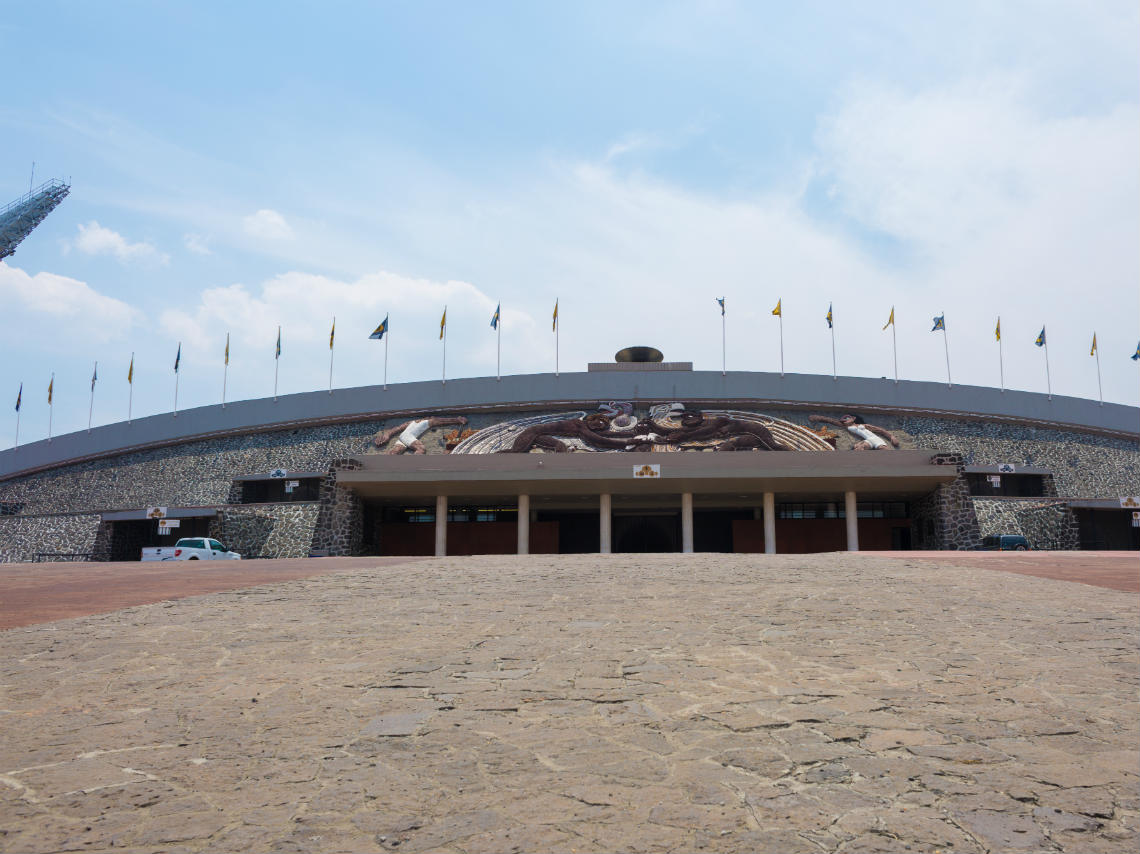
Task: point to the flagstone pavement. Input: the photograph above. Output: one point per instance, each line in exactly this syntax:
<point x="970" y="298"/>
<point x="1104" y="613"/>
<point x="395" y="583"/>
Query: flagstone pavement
<point x="584" y="703"/>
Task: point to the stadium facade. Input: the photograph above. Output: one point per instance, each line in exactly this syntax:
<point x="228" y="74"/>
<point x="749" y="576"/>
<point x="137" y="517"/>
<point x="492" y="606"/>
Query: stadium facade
<point x="626" y="456"/>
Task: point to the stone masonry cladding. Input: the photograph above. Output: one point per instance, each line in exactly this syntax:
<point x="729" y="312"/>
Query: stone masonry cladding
<point x="57" y="510"/>
<point x="1047" y="524"/>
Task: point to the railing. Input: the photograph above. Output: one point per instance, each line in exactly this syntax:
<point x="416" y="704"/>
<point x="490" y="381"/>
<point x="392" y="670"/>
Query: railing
<point x="53" y="184"/>
<point x="42" y="557"/>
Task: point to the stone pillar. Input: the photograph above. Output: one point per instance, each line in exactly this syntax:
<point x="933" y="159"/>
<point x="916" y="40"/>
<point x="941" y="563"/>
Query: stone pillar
<point x="852" y="514"/>
<point x="441" y="526"/>
<point x="605" y="521"/>
<point x="769" y="523"/>
<point x="524" y="524"/>
<point x="687" y="522"/>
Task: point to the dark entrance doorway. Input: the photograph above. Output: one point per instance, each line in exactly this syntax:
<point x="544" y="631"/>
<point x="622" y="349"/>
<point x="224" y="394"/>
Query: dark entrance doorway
<point x="129" y="537"/>
<point x="647" y="533"/>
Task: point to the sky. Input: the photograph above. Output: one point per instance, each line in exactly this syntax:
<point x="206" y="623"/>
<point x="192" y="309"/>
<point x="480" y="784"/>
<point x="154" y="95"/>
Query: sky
<point x="236" y="167"/>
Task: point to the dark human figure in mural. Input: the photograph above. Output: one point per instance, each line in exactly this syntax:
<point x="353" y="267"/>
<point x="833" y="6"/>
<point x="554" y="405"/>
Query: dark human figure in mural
<point x="408" y="434"/>
<point x="734" y="434"/>
<point x="868" y="437"/>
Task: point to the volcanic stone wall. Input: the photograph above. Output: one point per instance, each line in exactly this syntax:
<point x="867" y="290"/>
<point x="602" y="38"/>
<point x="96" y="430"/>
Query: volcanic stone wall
<point x="23" y="537"/>
<point x="267" y="530"/>
<point x="1046" y="523"/>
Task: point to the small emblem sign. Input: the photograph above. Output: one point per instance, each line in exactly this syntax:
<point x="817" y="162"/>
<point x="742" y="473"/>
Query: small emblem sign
<point x="647" y="470"/>
<point x="168" y="524"/>
<point x="1006" y="468"/>
<point x="279" y="473"/>
<point x="995" y="479"/>
<point x="156" y="512"/>
<point x="1130" y="501"/>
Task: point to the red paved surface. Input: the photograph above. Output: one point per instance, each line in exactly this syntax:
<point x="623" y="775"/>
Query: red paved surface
<point x="42" y="592"/>
<point x="1114" y="570"/>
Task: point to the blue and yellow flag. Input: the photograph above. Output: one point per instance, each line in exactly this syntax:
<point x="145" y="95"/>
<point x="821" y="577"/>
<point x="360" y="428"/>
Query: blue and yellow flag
<point x="332" y="334"/>
<point x="20" y="393"/>
<point x="890" y="320"/>
<point x="830" y="318"/>
<point x="277" y="355"/>
<point x="1092" y="352"/>
<point x="380" y="330"/>
<point x="443" y="323"/>
<point x="495" y="317"/>
<point x="777" y="311"/>
<point x="1040" y="342"/>
<point x="94" y="376"/>
<point x="554" y="325"/>
<point x="178" y="357"/>
<point x="997" y="330"/>
<point x="721" y="301"/>
<point x="939" y="323"/>
<point x="1135" y="356"/>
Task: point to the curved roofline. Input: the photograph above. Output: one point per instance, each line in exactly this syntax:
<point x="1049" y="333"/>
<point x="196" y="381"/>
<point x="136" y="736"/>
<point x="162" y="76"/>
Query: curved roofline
<point x="543" y="391"/>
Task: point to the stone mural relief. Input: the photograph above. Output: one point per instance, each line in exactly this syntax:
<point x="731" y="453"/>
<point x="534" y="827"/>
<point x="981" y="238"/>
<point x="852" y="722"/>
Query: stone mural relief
<point x="408" y="435"/>
<point x="663" y="428"/>
<point x="867" y="437"/>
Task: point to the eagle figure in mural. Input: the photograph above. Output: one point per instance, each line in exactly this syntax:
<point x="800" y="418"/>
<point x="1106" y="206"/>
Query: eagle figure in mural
<point x="868" y="437"/>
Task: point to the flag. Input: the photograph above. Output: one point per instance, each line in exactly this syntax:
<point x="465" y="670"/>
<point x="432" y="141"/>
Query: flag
<point x="131" y="371"/>
<point x="997" y="330"/>
<point x="381" y="329"/>
<point x="20" y="393"/>
<point x="721" y="301"/>
<point x="443" y="323"/>
<point x="554" y="325"/>
<point x="94" y="376"/>
<point x="332" y="334"/>
<point x="277" y="355"/>
<point x="1092" y="352"/>
<point x="51" y="385"/>
<point x="830" y="320"/>
<point x="178" y="357"/>
<point x="495" y="317"/>
<point x="1135" y="356"/>
<point x="227" y="348"/>
<point x="1040" y="342"/>
<point x="891" y="319"/>
<point x="776" y="311"/>
<point x="939" y="323"/>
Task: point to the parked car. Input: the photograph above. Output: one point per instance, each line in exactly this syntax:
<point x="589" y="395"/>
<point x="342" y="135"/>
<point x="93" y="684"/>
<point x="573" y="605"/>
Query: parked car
<point x="190" y="548"/>
<point x="1005" y="543"/>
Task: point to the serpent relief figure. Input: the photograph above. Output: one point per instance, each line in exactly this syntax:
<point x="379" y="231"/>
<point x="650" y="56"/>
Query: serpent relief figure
<point x="734" y="434"/>
<point x="589" y="429"/>
<point x="869" y="436"/>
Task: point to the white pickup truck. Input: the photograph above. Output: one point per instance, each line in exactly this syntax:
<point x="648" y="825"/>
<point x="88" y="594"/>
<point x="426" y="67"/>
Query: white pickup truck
<point x="190" y="548"/>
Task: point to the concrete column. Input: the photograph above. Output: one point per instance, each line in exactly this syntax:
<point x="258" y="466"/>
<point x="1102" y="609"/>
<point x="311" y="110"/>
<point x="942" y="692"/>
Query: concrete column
<point x="769" y="523"/>
<point x="852" y="521"/>
<point x="605" y="520"/>
<point x="441" y="526"/>
<point x="524" y="524"/>
<point x="687" y="522"/>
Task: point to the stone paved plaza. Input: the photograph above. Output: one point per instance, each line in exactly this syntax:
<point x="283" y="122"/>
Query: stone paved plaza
<point x="584" y="703"/>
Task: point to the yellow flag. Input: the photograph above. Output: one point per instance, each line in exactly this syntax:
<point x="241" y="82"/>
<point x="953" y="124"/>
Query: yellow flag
<point x="891" y="319"/>
<point x="1092" y="352"/>
<point x="131" y="370"/>
<point x="776" y="311"/>
<point x="51" y="385"/>
<point x="997" y="330"/>
<point x="227" y="348"/>
<point x="554" y="325"/>
<point x="442" y="323"/>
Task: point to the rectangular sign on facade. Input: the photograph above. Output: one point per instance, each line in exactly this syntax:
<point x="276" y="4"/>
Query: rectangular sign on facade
<point x="156" y="512"/>
<point x="647" y="470"/>
<point x="168" y="524"/>
<point x="1132" y="501"/>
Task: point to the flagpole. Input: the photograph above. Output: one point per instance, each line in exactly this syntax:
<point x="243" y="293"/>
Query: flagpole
<point x="781" y="342"/>
<point x="445" y="345"/>
<point x="276" y="363"/>
<point x="91" y="408"/>
<point x="499" y="347"/>
<point x="723" y="346"/>
<point x="946" y="344"/>
<point x="1048" y="380"/>
<point x="895" y="348"/>
<point x="834" y="370"/>
<point x="332" y="343"/>
<point x="226" y="370"/>
<point x="51" y="404"/>
<point x="1099" y="388"/>
<point x="387" y="335"/>
<point x="1001" y="361"/>
<point x="131" y="393"/>
<point x="557" y="334"/>
<point x="17" y="429"/>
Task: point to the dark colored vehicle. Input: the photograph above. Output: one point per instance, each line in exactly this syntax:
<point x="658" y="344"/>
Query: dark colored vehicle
<point x="1005" y="543"/>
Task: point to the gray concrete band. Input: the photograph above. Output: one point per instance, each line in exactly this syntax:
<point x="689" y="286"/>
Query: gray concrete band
<point x="546" y="391"/>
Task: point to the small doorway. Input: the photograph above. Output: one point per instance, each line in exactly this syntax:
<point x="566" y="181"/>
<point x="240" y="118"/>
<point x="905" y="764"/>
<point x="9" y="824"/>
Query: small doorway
<point x="644" y="534"/>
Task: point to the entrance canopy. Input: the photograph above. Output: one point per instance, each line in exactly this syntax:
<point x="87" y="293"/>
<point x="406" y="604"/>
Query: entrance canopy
<point x="792" y="473"/>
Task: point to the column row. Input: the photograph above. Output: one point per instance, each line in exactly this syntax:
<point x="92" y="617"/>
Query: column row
<point x="605" y="523"/>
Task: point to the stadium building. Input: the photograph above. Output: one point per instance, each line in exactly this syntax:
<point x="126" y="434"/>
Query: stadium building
<point x="635" y="455"/>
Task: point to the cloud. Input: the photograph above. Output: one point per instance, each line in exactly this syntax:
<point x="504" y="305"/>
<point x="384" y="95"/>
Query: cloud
<point x="267" y="225"/>
<point x="197" y="244"/>
<point x="60" y="307"/>
<point x="94" y="239"/>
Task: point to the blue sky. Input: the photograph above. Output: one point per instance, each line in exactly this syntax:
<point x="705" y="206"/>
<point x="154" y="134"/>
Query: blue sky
<point x="237" y="166"/>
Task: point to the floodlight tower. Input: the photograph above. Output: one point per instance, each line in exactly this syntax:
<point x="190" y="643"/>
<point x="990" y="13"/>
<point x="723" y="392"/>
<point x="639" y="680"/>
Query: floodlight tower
<point x="21" y="216"/>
